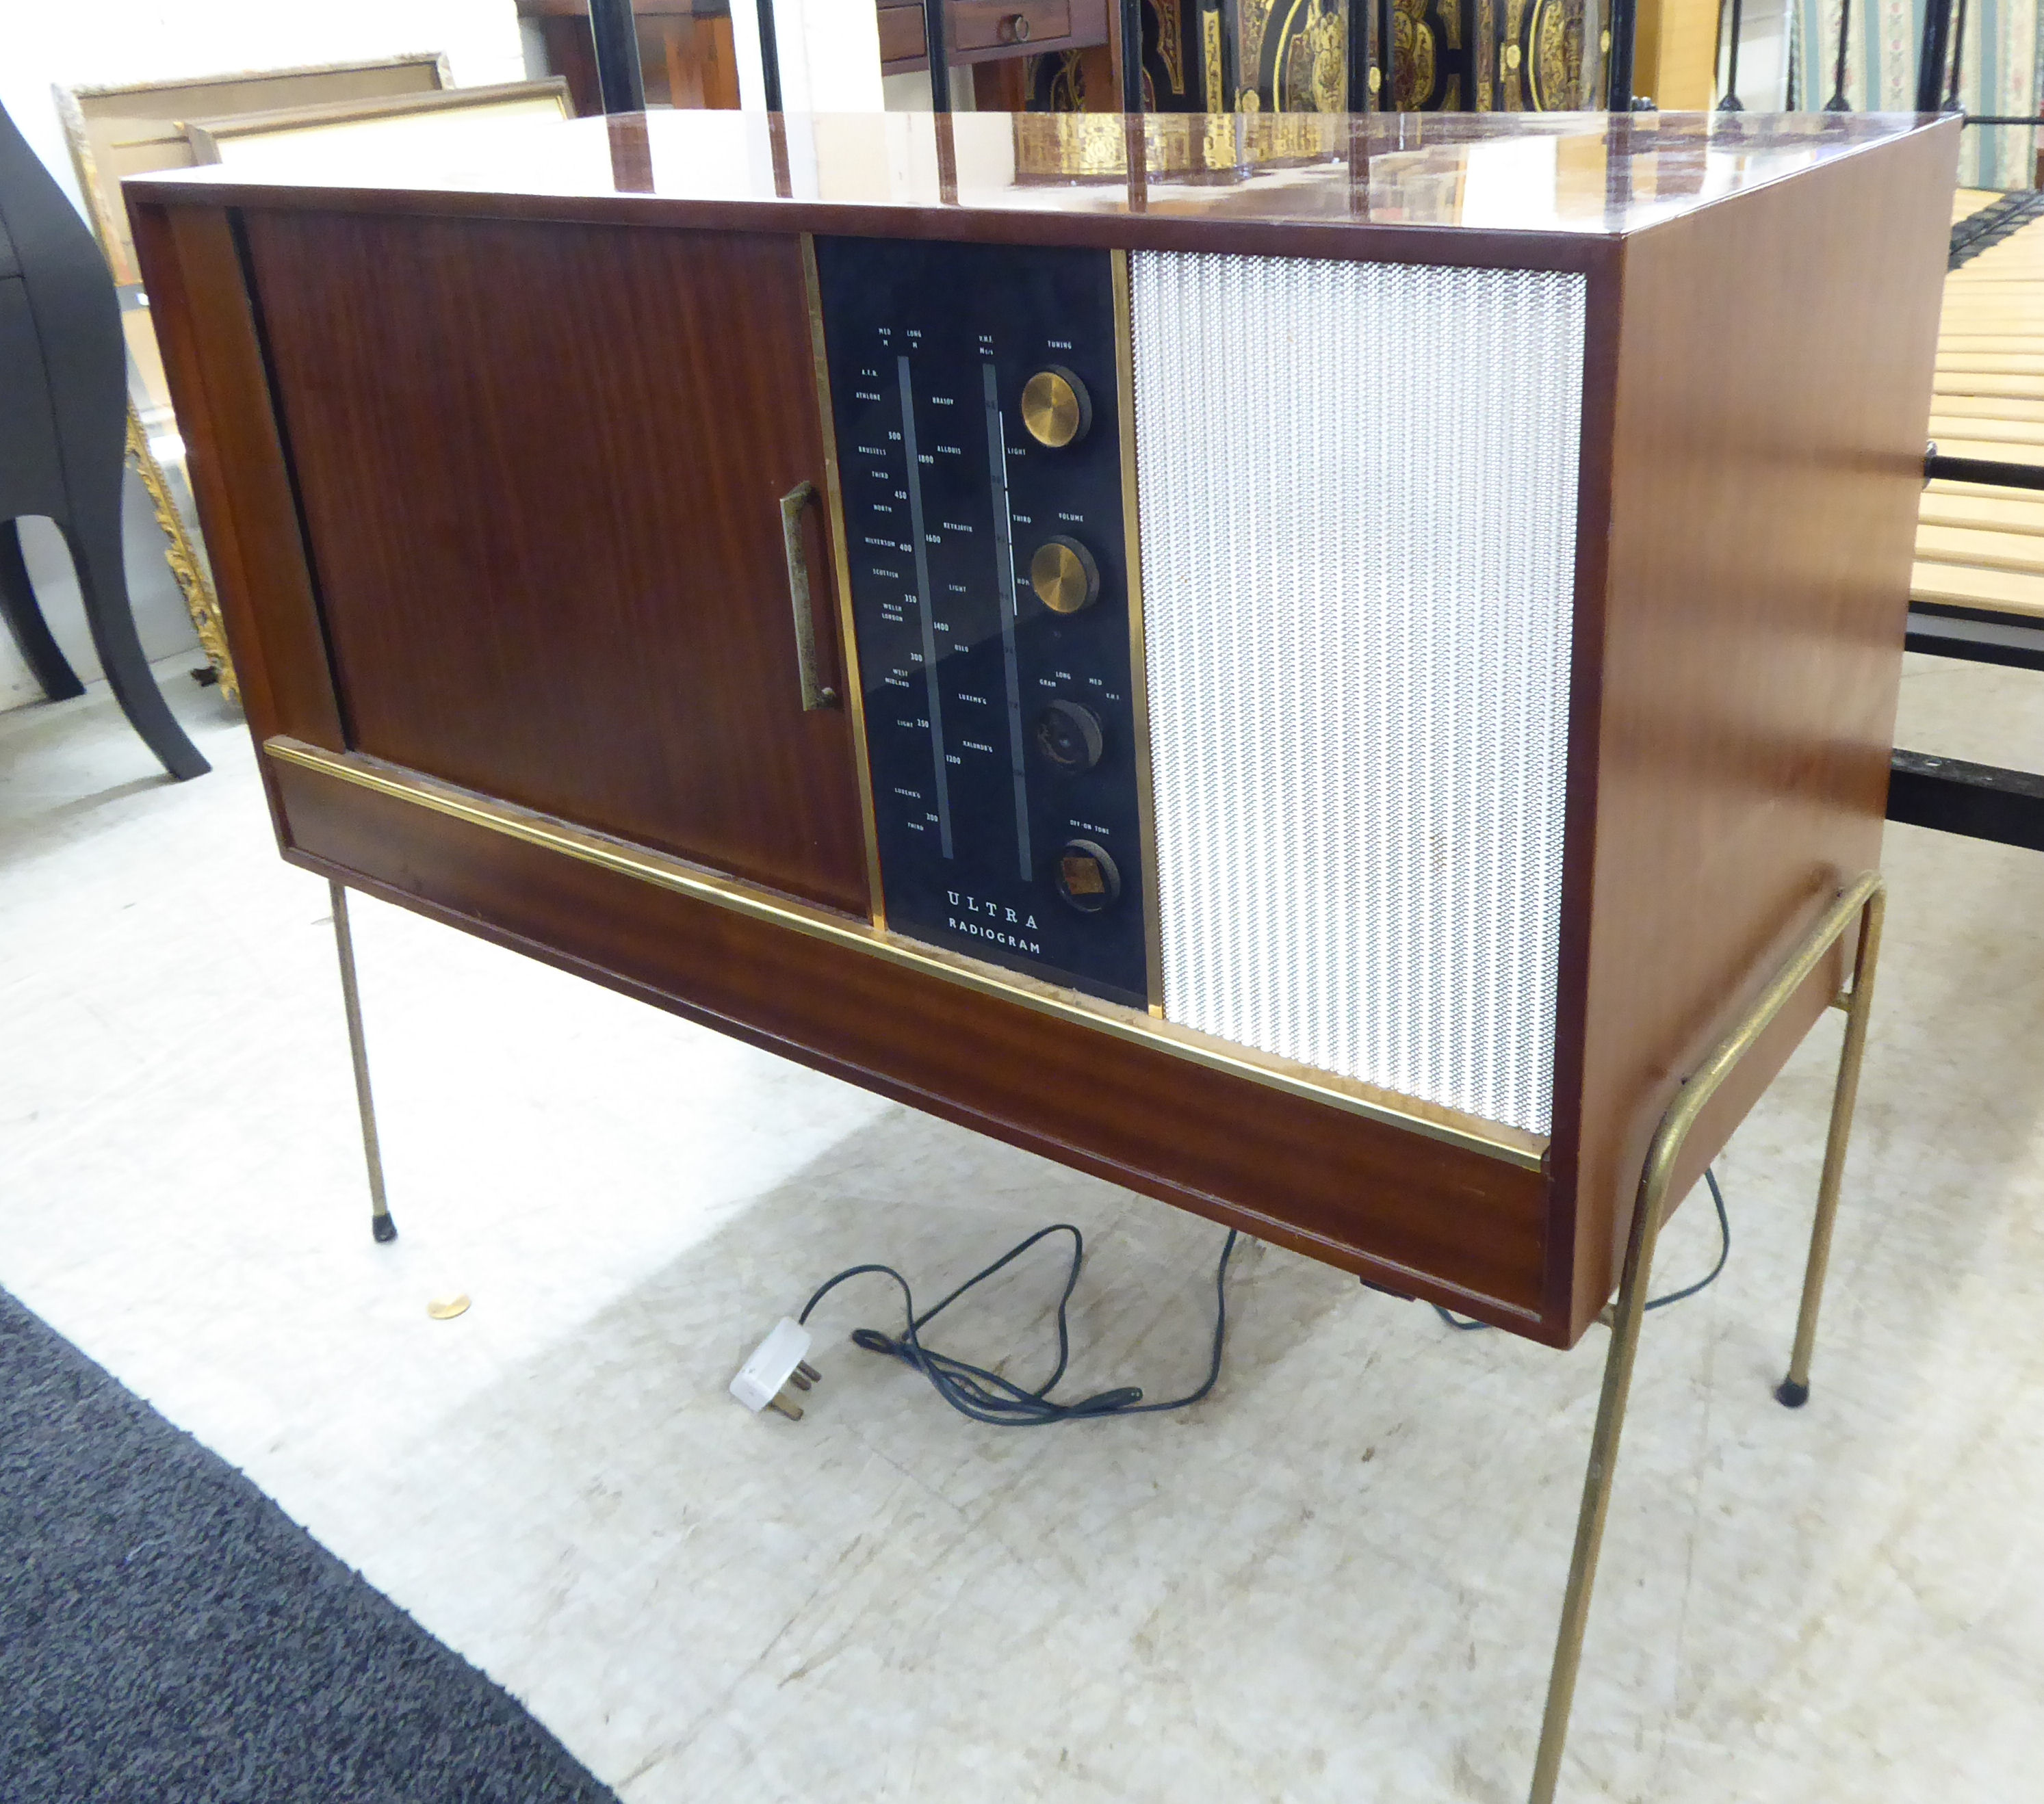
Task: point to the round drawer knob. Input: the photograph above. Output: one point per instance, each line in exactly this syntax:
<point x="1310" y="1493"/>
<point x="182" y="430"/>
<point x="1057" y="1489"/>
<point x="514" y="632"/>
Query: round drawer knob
<point x="1056" y="409"/>
<point x="1069" y="738"/>
<point x="1014" y="29"/>
<point x="1064" y="575"/>
<point x="1087" y="879"/>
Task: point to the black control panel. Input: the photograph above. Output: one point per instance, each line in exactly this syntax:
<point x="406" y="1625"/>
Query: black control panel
<point x="979" y="448"/>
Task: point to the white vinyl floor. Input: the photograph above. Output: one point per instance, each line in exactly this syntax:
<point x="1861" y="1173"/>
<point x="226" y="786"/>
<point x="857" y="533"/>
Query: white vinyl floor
<point x="1335" y="1581"/>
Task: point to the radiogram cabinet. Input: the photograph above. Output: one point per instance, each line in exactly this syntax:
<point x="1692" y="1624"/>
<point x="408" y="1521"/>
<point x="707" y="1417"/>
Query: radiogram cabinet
<point x="1309" y="667"/>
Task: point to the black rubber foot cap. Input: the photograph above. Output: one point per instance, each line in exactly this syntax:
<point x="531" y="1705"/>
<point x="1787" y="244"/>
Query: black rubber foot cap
<point x="1790" y="1395"/>
<point x="384" y="1229"/>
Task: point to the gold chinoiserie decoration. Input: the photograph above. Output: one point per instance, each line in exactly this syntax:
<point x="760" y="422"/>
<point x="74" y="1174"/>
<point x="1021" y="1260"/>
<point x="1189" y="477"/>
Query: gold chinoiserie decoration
<point x="183" y="556"/>
<point x="1056" y="408"/>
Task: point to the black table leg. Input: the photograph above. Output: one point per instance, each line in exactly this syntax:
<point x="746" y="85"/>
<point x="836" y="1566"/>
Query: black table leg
<point x="94" y="535"/>
<point x="24" y="615"/>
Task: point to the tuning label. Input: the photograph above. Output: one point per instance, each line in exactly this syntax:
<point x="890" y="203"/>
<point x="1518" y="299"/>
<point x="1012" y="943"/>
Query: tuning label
<point x="978" y="448"/>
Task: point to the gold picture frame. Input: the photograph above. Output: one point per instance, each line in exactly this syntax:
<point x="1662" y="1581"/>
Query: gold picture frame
<point x="414" y="118"/>
<point x="126" y="130"/>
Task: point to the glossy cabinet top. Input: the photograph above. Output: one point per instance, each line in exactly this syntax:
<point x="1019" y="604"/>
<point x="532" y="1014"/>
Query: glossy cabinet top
<point x="1584" y="173"/>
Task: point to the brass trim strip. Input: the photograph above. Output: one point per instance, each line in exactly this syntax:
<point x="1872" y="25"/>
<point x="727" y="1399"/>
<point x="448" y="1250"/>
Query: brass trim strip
<point x="1138" y="669"/>
<point x="1489" y="1139"/>
<point x="854" y="696"/>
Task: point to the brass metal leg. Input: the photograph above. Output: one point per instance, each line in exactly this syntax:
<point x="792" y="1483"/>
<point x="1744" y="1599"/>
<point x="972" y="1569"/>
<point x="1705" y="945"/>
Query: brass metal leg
<point x="1794" y="1390"/>
<point x="1863" y="902"/>
<point x="380" y="1223"/>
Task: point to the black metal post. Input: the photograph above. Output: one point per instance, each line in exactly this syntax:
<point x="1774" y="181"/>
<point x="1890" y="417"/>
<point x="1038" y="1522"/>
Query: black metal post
<point x="1730" y="103"/>
<point x="769" y="55"/>
<point x="1930" y="56"/>
<point x="1977" y="801"/>
<point x="1838" y="103"/>
<point x="1131" y="56"/>
<point x="1958" y="57"/>
<point x="1360" y="60"/>
<point x="1617" y="72"/>
<point x="1387" y="57"/>
<point x="939" y="47"/>
<point x="1980" y="635"/>
<point x="1989" y="472"/>
<point x="615" y="33"/>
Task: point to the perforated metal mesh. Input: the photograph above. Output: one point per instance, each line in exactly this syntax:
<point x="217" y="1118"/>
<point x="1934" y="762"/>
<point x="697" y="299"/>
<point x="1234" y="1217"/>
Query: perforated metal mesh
<point x="1358" y="505"/>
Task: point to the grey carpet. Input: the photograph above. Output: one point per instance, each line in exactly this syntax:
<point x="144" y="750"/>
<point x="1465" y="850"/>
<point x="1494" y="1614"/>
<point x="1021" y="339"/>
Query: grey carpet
<point x="167" y="1633"/>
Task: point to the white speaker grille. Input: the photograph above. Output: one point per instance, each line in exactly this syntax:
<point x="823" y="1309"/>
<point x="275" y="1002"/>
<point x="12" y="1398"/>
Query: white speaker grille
<point x="1357" y="485"/>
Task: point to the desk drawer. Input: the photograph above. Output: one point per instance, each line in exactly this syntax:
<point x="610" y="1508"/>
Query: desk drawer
<point x="989" y="25"/>
<point x="980" y="26"/>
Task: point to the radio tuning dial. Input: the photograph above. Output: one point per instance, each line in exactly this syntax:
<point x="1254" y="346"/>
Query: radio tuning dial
<point x="1064" y="575"/>
<point x="1069" y="738"/>
<point x="1056" y="409"/>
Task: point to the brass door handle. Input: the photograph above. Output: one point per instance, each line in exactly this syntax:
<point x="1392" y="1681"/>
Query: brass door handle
<point x="815" y="695"/>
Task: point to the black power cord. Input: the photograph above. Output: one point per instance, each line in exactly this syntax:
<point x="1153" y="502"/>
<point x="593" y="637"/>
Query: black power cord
<point x="986" y="1396"/>
<point x="1704" y="1282"/>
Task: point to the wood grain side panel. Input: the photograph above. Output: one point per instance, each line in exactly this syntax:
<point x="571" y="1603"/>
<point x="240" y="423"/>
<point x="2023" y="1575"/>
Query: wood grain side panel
<point x="1411" y="1213"/>
<point x="213" y="357"/>
<point x="1774" y="384"/>
<point x="542" y="468"/>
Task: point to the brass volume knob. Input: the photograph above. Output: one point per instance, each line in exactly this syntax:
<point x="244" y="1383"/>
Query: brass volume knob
<point x="1056" y="408"/>
<point x="1064" y="575"/>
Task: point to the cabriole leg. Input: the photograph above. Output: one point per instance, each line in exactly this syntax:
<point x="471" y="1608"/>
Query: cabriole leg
<point x="380" y="1223"/>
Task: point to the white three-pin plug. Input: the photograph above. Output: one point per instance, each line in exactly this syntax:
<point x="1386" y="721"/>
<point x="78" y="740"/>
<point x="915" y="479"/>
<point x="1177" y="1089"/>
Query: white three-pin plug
<point x="779" y="1362"/>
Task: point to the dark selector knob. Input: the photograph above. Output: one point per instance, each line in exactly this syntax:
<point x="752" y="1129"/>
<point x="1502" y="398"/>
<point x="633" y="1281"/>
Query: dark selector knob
<point x="1068" y="737"/>
<point x="1056" y="409"/>
<point x="1064" y="575"/>
<point x="1087" y="879"/>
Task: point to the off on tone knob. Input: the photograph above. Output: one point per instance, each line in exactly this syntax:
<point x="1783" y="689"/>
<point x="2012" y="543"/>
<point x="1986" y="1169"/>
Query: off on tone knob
<point x="1086" y="877"/>
<point x="1056" y="409"/>
<point x="1064" y="575"/>
<point x="1069" y="738"/>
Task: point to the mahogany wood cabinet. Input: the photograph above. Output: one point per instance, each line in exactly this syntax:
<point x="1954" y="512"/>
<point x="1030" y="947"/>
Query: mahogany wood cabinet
<point x="1311" y="675"/>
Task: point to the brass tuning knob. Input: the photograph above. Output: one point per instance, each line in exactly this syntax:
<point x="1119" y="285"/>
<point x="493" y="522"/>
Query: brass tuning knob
<point x="1064" y="575"/>
<point x="1056" y="409"/>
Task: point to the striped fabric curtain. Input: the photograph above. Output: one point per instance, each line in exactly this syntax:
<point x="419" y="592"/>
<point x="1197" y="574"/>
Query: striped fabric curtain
<point x="1997" y="73"/>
